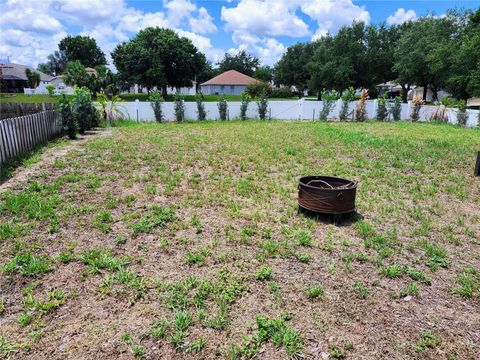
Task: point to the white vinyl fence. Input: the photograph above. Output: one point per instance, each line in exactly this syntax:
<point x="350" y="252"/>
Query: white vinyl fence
<point x="281" y="110"/>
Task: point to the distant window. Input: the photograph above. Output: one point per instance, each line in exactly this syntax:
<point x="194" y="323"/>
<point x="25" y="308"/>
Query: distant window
<point x="232" y="88"/>
<point x="222" y="88"/>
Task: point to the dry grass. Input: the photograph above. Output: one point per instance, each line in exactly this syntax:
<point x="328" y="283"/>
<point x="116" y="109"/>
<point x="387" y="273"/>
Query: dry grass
<point x="183" y="241"/>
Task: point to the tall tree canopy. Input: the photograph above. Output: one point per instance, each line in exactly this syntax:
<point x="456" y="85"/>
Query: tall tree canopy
<point x="55" y="65"/>
<point x="292" y="69"/>
<point x="420" y="50"/>
<point x="83" y="49"/>
<point x="464" y="79"/>
<point x="158" y="57"/>
<point x="263" y="73"/>
<point x="242" y="62"/>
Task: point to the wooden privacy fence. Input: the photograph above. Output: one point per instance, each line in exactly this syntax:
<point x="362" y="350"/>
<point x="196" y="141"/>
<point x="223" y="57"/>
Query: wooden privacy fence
<point x="21" y="134"/>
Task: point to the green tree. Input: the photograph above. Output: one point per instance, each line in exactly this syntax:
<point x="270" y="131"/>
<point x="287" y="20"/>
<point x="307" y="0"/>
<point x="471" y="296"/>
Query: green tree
<point x="45" y="68"/>
<point x="263" y="73"/>
<point x="291" y="69"/>
<point x="156" y="101"/>
<point x="158" y="57"/>
<point x="83" y="49"/>
<point x="242" y="62"/>
<point x="420" y="53"/>
<point x="463" y="80"/>
<point x="33" y="78"/>
<point x="75" y="74"/>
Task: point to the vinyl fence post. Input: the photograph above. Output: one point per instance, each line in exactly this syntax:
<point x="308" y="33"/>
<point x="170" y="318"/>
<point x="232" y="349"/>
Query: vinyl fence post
<point x="136" y="107"/>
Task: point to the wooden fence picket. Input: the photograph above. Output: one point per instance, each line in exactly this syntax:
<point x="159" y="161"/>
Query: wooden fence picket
<point x="21" y="134"/>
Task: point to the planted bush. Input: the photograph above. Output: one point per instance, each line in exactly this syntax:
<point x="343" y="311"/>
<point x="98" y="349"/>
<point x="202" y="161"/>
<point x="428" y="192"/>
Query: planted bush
<point x="395" y="108"/>
<point x="328" y="100"/>
<point x="361" y="109"/>
<point x="50" y="88"/>
<point x="256" y="89"/>
<point x="382" y="111"/>
<point x="84" y="113"/>
<point x="244" y="106"/>
<point x="281" y="93"/>
<point x="417" y="103"/>
<point x="156" y="100"/>
<point x="222" y="108"/>
<point x="201" y="113"/>
<point x="262" y="104"/>
<point x="179" y="108"/>
<point x="462" y="115"/>
<point x="68" y="121"/>
<point x="347" y="96"/>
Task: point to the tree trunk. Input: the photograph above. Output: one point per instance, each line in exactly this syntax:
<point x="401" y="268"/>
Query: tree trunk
<point x="164" y="91"/>
<point x="404" y="92"/>
<point x="425" y="89"/>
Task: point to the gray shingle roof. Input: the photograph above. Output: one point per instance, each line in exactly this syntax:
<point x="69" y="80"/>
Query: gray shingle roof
<point x="13" y="71"/>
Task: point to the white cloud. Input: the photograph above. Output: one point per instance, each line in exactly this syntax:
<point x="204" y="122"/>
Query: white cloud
<point x="265" y="17"/>
<point x="203" y="24"/>
<point x="330" y="15"/>
<point x="88" y="13"/>
<point x="267" y="49"/>
<point x="401" y="16"/>
<point x="178" y="10"/>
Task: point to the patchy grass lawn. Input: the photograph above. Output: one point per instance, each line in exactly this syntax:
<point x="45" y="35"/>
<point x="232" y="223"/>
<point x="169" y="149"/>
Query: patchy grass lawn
<point x="22" y="98"/>
<point x="183" y="241"/>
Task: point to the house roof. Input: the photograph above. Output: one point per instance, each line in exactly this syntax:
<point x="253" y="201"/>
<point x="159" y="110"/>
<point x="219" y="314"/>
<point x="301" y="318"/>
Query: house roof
<point x="473" y="102"/>
<point x="231" y="77"/>
<point x="13" y="71"/>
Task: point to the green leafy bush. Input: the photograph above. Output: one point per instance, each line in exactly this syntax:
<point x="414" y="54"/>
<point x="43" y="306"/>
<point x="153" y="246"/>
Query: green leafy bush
<point x="258" y="88"/>
<point x="50" y="89"/>
<point x="262" y="104"/>
<point x="156" y="100"/>
<point x="382" y="111"/>
<point x="223" y="108"/>
<point x="202" y="114"/>
<point x="281" y="93"/>
<point x="395" y="108"/>
<point x="68" y="121"/>
<point x="244" y="106"/>
<point x="179" y="108"/>
<point x="462" y="115"/>
<point x="347" y="96"/>
<point x="328" y="98"/>
<point x="85" y="114"/>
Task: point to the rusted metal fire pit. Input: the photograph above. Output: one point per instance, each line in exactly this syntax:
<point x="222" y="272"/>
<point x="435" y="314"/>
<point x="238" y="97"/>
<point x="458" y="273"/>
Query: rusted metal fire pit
<point x="327" y="195"/>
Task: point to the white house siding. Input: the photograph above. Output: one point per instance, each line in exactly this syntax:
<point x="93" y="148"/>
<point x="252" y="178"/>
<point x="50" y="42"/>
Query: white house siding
<point x="223" y="89"/>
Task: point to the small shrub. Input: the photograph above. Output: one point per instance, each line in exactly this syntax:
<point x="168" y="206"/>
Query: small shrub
<point x="328" y="101"/>
<point x="315" y="292"/>
<point x="50" y="88"/>
<point x="68" y="121"/>
<point x="462" y="115"/>
<point x="440" y="114"/>
<point x="347" y="96"/>
<point x="417" y="103"/>
<point x="222" y="108"/>
<point x="244" y="106"/>
<point x="85" y="114"/>
<point x="361" y="108"/>
<point x="382" y="111"/>
<point x="258" y="88"/>
<point x="264" y="273"/>
<point x="395" y="109"/>
<point x="281" y="93"/>
<point x="201" y="113"/>
<point x="156" y="103"/>
<point x="262" y="104"/>
<point x="179" y="108"/>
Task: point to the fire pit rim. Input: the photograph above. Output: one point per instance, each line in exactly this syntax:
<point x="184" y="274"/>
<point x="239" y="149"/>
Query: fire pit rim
<point x="320" y="177"/>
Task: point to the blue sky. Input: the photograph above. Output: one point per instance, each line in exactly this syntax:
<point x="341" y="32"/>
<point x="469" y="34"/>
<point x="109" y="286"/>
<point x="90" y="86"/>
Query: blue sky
<point x="31" y="29"/>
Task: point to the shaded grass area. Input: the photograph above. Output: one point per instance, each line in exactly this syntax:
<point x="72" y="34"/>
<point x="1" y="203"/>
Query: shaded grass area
<point x="26" y="159"/>
<point x="183" y="241"/>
